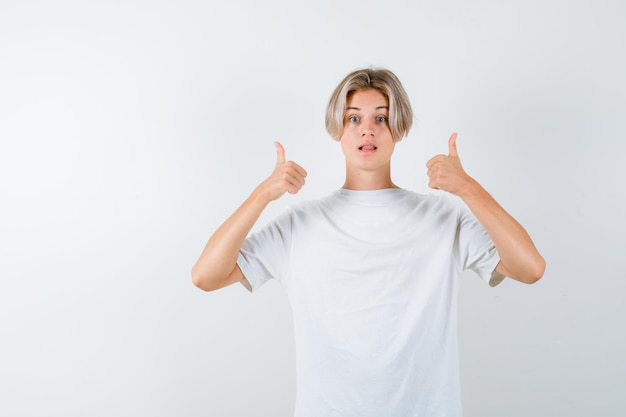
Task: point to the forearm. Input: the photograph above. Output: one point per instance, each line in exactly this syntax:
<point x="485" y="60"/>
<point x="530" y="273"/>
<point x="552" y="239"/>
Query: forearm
<point x="219" y="257"/>
<point x="519" y="257"/>
<point x="217" y="265"/>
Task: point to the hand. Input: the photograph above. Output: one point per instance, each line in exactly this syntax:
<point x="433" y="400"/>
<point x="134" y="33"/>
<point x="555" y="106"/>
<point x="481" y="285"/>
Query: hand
<point x="286" y="177"/>
<point x="445" y="172"/>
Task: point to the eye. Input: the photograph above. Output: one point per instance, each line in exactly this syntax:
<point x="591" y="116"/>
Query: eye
<point x="381" y="119"/>
<point x="353" y="119"/>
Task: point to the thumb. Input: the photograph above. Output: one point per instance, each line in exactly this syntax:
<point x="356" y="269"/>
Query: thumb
<point x="452" y="145"/>
<point x="280" y="153"/>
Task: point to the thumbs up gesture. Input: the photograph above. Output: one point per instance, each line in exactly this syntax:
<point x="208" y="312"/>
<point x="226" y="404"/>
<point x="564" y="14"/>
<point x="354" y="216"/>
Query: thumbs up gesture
<point x="445" y="172"/>
<point x="286" y="177"/>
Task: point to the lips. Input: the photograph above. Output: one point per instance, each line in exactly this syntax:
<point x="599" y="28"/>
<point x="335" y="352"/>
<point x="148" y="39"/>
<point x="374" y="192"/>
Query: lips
<point x="368" y="147"/>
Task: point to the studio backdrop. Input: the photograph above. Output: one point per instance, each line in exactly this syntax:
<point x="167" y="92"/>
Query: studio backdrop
<point x="130" y="130"/>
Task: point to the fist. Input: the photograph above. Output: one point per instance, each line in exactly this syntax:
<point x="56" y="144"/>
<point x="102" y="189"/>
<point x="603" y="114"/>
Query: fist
<point x="286" y="177"/>
<point x="445" y="172"/>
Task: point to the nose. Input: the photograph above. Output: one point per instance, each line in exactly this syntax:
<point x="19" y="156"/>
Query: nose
<point x="367" y="128"/>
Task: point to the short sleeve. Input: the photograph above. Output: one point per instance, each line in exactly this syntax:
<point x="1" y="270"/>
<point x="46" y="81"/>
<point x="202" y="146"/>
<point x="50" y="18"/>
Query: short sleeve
<point x="264" y="255"/>
<point x="477" y="250"/>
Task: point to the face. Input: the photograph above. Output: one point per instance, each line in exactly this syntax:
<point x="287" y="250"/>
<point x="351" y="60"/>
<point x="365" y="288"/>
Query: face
<point x="366" y="140"/>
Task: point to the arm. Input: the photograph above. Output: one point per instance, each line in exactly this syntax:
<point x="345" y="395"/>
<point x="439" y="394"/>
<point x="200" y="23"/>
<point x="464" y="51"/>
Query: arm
<point x="519" y="259"/>
<point x="217" y="265"/>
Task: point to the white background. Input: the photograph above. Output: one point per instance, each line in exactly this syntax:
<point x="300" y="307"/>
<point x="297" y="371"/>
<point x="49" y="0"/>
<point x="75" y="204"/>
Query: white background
<point x="130" y="130"/>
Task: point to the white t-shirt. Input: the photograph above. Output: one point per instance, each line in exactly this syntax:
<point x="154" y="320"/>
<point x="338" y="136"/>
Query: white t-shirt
<point x="372" y="278"/>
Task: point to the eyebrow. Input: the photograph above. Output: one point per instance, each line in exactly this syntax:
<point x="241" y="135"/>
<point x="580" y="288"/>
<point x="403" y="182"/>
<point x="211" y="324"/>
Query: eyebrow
<point x="359" y="109"/>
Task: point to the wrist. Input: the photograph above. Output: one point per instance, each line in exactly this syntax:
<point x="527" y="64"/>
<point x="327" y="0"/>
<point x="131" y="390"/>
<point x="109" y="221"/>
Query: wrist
<point x="261" y="196"/>
<point x="470" y="189"/>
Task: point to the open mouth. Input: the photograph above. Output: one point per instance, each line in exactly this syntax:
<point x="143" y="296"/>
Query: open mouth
<point x="367" y="148"/>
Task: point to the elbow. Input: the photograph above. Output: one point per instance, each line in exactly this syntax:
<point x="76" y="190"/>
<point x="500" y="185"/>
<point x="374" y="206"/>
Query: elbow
<point x="201" y="280"/>
<point x="535" y="271"/>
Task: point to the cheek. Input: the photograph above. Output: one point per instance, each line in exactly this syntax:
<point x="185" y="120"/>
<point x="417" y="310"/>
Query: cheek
<point x="346" y="133"/>
<point x="349" y="128"/>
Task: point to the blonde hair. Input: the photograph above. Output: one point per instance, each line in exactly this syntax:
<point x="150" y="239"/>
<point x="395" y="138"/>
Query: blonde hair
<point x="382" y="80"/>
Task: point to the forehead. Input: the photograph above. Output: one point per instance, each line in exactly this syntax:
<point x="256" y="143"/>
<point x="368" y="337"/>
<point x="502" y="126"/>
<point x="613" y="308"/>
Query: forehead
<point x="366" y="99"/>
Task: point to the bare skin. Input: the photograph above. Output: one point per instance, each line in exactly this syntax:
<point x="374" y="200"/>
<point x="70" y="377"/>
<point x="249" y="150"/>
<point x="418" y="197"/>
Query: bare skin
<point x="366" y="142"/>
<point x="368" y="145"/>
<point x="519" y="259"/>
<point x="217" y="265"/>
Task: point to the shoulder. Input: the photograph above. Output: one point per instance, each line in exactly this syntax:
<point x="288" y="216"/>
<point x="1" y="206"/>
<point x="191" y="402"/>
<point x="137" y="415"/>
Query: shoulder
<point x="314" y="204"/>
<point x="303" y="209"/>
<point x="437" y="208"/>
<point x="439" y="201"/>
<point x="305" y="206"/>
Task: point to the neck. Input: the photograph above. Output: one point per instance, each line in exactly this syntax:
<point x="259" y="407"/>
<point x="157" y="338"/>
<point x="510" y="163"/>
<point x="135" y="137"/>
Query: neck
<point x="364" y="180"/>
